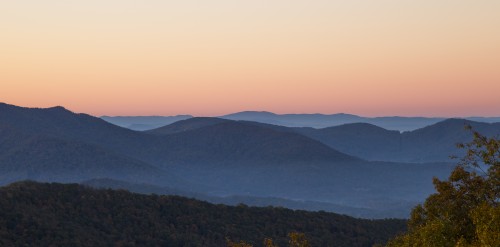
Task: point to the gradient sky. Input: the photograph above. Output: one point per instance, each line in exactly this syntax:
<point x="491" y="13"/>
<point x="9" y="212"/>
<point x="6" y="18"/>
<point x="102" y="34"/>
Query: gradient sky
<point x="206" y="58"/>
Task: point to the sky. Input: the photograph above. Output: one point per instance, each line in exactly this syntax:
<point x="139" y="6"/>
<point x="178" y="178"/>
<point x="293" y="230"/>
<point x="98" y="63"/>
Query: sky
<point x="209" y="58"/>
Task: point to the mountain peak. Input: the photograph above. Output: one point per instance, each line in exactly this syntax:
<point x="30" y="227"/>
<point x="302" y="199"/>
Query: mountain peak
<point x="358" y="126"/>
<point x="252" y="113"/>
<point x="56" y="109"/>
<point x="186" y="125"/>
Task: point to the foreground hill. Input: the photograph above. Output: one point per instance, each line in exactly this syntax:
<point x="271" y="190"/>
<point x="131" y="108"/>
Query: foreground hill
<point x="34" y="214"/>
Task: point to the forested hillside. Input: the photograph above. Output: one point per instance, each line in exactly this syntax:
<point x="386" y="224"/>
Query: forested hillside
<point x="42" y="214"/>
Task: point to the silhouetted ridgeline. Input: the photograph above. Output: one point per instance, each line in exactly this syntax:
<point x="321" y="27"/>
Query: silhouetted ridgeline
<point x="42" y="214"/>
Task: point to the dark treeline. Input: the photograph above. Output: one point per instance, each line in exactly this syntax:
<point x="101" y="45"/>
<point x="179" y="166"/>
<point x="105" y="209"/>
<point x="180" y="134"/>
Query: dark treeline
<point x="42" y="214"/>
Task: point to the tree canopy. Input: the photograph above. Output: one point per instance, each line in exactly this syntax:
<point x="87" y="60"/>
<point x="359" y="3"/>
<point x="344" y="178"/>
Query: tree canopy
<point x="464" y="211"/>
<point x="43" y="214"/>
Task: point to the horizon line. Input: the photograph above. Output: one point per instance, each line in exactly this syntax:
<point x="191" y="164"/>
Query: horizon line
<point x="255" y="111"/>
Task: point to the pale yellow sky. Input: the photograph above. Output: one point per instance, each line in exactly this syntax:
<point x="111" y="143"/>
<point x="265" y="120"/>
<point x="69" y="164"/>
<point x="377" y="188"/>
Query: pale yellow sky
<point x="374" y="58"/>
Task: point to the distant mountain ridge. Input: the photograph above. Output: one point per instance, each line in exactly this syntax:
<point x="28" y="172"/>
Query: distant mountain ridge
<point x="331" y="120"/>
<point x="433" y="143"/>
<point x="295" y="120"/>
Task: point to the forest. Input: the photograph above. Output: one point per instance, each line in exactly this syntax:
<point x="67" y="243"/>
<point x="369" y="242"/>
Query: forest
<point x="53" y="214"/>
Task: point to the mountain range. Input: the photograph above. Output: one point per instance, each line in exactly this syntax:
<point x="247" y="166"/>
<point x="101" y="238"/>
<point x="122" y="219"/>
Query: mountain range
<point x="295" y="120"/>
<point x="348" y="166"/>
<point x="434" y="143"/>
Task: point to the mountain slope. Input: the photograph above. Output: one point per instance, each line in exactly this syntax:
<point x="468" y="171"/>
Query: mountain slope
<point x="232" y="141"/>
<point x="434" y="143"/>
<point x="64" y="124"/>
<point x="44" y="158"/>
<point x="440" y="139"/>
<point x="360" y="139"/>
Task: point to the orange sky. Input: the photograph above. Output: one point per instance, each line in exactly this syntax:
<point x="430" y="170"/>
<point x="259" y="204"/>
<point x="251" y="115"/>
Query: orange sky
<point x="152" y="57"/>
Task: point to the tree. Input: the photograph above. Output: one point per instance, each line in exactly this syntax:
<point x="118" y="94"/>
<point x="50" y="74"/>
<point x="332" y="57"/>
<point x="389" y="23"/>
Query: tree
<point x="464" y="211"/>
<point x="296" y="239"/>
<point x="230" y="243"/>
<point x="268" y="242"/>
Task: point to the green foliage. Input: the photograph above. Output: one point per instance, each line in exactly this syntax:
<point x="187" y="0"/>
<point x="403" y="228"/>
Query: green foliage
<point x="464" y="211"/>
<point x="486" y="219"/>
